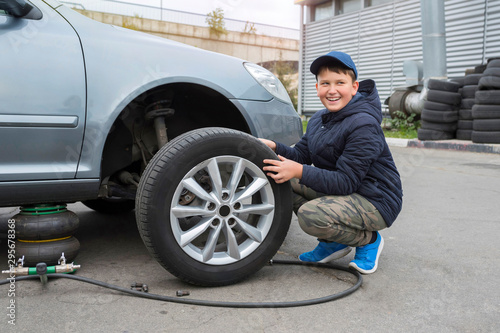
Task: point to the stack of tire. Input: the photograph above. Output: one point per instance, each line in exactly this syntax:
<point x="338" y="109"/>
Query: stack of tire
<point x="486" y="110"/>
<point x="464" y="125"/>
<point x="44" y="233"/>
<point x="440" y="113"/>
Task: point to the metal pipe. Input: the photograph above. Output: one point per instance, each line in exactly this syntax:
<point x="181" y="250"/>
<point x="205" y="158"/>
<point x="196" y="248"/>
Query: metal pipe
<point x="432" y="18"/>
<point x="414" y="103"/>
<point x="301" y="61"/>
<point x="433" y="40"/>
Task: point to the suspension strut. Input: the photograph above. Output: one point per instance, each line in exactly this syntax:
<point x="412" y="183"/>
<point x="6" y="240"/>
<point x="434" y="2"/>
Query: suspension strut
<point x="159" y="112"/>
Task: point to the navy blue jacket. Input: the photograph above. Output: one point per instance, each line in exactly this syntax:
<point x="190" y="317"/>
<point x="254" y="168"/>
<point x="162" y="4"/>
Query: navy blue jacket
<point x="350" y="154"/>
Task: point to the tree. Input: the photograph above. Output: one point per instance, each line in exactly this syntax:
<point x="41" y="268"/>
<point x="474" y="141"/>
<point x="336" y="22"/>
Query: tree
<point x="284" y="71"/>
<point x="250" y="28"/>
<point x="215" y="20"/>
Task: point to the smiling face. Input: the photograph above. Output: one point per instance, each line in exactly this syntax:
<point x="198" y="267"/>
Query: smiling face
<point x="334" y="89"/>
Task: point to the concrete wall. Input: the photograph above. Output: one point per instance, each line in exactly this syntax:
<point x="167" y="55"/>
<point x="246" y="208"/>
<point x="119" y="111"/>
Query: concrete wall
<point x="251" y="47"/>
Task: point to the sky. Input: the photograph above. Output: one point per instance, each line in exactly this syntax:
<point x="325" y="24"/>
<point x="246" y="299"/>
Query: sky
<point x="274" y="12"/>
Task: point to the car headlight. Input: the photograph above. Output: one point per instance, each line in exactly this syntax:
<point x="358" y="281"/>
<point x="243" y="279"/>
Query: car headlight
<point x="268" y="81"/>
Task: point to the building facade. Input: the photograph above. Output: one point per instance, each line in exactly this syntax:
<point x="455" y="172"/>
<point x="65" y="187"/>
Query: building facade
<point x="381" y="34"/>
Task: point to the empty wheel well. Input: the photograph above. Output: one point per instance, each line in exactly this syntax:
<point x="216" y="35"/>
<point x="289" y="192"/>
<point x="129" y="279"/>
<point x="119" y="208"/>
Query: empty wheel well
<point x="132" y="140"/>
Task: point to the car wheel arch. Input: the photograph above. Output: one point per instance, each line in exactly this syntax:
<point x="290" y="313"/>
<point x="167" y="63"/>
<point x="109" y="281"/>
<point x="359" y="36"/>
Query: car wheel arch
<point x="217" y="109"/>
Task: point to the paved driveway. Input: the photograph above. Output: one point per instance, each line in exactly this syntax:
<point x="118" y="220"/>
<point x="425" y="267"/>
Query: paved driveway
<point x="439" y="271"/>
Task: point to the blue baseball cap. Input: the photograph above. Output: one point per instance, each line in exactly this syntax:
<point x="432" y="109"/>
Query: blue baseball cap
<point x="334" y="56"/>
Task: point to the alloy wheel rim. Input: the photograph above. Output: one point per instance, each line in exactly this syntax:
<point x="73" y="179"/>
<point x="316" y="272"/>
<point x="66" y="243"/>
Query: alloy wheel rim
<point x="231" y="215"/>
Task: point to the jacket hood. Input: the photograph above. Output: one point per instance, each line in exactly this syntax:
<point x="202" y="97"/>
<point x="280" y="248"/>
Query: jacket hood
<point x="366" y="100"/>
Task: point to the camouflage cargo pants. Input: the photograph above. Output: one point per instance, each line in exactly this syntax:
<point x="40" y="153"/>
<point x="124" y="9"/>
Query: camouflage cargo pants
<point x="346" y="219"/>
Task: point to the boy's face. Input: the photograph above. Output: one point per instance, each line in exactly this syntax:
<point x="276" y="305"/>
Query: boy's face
<point x="335" y="90"/>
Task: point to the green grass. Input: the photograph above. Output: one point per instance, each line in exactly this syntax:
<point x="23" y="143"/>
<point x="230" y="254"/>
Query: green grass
<point x="409" y="134"/>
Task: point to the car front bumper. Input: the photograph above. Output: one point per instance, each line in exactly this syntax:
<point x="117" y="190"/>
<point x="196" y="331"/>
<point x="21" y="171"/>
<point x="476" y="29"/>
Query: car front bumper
<point x="273" y="120"/>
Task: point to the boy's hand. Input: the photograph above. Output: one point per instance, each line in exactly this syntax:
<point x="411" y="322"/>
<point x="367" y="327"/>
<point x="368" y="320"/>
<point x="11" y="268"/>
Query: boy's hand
<point x="269" y="143"/>
<point x="283" y="170"/>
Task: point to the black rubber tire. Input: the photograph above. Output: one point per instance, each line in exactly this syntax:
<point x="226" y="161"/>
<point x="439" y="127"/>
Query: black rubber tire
<point x="479" y="68"/>
<point x="444" y="97"/>
<point x="459" y="80"/>
<point x="486" y="111"/>
<point x="467" y="103"/>
<point x="493" y="71"/>
<point x="463" y="134"/>
<point x="427" y="134"/>
<point x="472" y="79"/>
<point x="445" y="127"/>
<point x="439" y="106"/>
<point x="488" y="97"/>
<point x="464" y="124"/>
<point x="439" y="116"/>
<point x="465" y="114"/>
<point x="485" y="137"/>
<point x="47" y="252"/>
<point x="489" y="82"/>
<point x="50" y="226"/>
<point x="443" y="85"/>
<point x="469" y="91"/>
<point x="488" y="125"/>
<point x="161" y="187"/>
<point x="110" y="205"/>
<point x="494" y="63"/>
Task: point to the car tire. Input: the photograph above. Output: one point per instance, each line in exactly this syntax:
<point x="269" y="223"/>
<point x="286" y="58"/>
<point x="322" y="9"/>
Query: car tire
<point x="48" y="252"/>
<point x="486" y="111"/>
<point x="493" y="63"/>
<point x="439" y="106"/>
<point x="464" y="134"/>
<point x="493" y="71"/>
<point x="445" y="97"/>
<point x="460" y="80"/>
<point x="464" y="124"/>
<point x="469" y="91"/>
<point x="489" y="83"/>
<point x="467" y="103"/>
<point x="439" y="116"/>
<point x="485" y="137"/>
<point x="465" y="114"/>
<point x="189" y="236"/>
<point x="42" y="227"/>
<point x="480" y="68"/>
<point x="428" y="134"/>
<point x="488" y="97"/>
<point x="472" y="79"/>
<point x="489" y="125"/>
<point x="445" y="127"/>
<point x="443" y="85"/>
<point x="110" y="205"/>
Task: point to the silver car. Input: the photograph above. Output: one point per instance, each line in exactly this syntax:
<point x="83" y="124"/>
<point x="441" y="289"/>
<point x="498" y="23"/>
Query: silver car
<point x="123" y="120"/>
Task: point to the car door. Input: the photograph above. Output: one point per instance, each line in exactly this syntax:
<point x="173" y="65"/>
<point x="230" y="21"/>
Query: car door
<point x="42" y="96"/>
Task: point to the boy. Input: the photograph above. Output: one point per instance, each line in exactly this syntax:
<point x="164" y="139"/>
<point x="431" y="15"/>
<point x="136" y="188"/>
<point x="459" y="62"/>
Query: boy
<point x="345" y="182"/>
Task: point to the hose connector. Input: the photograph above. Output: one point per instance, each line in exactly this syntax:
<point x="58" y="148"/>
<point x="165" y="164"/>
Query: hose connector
<point x="42" y="268"/>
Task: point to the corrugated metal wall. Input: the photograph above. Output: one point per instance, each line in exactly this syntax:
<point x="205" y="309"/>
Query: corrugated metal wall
<point x="380" y="38"/>
<point x="465" y="21"/>
<point x="492" y="36"/>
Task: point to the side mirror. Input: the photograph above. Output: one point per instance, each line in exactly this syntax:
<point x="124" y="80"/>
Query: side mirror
<point x="17" y="8"/>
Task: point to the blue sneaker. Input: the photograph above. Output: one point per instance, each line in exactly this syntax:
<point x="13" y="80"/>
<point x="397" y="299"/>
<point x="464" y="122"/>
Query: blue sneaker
<point x="325" y="252"/>
<point x="366" y="258"/>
